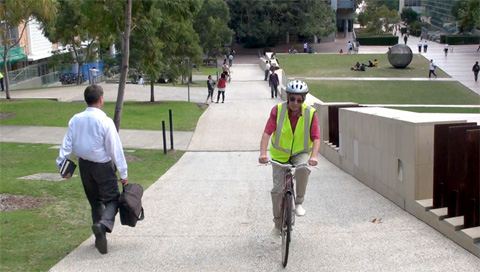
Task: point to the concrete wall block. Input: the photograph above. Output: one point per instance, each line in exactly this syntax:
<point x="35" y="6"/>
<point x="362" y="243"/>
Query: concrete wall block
<point x="425" y="143"/>
<point x="424" y="186"/>
<point x="406" y="142"/>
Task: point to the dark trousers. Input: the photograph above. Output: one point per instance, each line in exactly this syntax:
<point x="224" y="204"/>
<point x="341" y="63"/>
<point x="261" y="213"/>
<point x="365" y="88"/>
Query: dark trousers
<point x="101" y="188"/>
<point x="1" y="83"/>
<point x="274" y="90"/>
<point x="221" y="93"/>
<point x="267" y="73"/>
<point x="432" y="72"/>
<point x="475" y="75"/>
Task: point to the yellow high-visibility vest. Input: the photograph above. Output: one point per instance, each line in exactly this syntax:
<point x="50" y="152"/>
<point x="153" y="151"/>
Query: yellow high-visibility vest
<point x="286" y="143"/>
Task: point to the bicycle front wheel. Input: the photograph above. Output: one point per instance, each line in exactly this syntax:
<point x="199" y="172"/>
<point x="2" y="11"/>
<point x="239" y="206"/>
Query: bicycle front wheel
<point x="286" y="227"/>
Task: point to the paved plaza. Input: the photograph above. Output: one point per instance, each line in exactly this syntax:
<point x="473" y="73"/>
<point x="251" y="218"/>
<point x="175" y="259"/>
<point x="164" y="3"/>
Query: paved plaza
<point x="212" y="210"/>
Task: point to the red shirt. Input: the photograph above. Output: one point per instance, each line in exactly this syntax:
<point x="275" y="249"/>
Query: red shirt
<point x="222" y="83"/>
<point x="272" y="123"/>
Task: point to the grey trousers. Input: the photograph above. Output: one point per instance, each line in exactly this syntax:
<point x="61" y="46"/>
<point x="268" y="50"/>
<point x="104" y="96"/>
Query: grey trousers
<point x="278" y="173"/>
<point x="101" y="187"/>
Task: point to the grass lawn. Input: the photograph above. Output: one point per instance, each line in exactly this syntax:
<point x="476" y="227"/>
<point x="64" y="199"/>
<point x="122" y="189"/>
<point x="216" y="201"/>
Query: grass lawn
<point x="338" y="65"/>
<point x="439" y="110"/>
<point x="393" y="92"/>
<point x="136" y="115"/>
<point x="36" y="239"/>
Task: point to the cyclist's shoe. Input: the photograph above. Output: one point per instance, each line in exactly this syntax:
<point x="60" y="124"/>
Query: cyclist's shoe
<point x="275" y="235"/>
<point x="299" y="210"/>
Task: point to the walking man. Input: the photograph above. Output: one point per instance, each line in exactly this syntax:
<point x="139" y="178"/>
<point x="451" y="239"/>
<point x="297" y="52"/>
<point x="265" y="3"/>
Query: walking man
<point x="350" y="47"/>
<point x="425" y="46"/>
<point x="476" y="69"/>
<point x="432" y="69"/>
<point x="267" y="69"/>
<point x="93" y="137"/>
<point x="445" y="49"/>
<point x="273" y="83"/>
<point x="295" y="138"/>
<point x="419" y="46"/>
<point x="1" y="81"/>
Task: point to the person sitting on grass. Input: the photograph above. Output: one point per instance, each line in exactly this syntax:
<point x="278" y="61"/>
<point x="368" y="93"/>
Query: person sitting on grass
<point x="370" y="64"/>
<point x="356" y="67"/>
<point x="375" y="62"/>
<point x="363" y="67"/>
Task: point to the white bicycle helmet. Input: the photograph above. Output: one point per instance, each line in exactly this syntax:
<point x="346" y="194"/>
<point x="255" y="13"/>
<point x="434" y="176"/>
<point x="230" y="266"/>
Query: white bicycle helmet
<point x="297" y="87"/>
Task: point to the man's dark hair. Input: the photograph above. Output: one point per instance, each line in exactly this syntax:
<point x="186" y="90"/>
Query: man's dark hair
<point x="92" y="94"/>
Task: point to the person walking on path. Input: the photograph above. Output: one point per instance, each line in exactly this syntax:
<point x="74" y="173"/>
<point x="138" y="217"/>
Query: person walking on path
<point x="1" y="81"/>
<point x="289" y="121"/>
<point x="230" y="60"/>
<point x="267" y="69"/>
<point x="432" y="69"/>
<point x="222" y="85"/>
<point x="93" y="137"/>
<point x="305" y="47"/>
<point x="445" y="49"/>
<point x="476" y="69"/>
<point x="357" y="47"/>
<point x="350" y="47"/>
<point x="211" y="88"/>
<point x="273" y="82"/>
<point x="419" y="46"/>
<point x="405" y="38"/>
<point x="425" y="46"/>
<point x="94" y="72"/>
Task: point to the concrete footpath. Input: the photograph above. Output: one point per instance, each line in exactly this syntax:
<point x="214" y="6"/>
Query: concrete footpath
<point x="212" y="210"/>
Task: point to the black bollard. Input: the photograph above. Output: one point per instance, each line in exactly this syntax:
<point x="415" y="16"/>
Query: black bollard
<point x="164" y="138"/>
<point x="171" y="128"/>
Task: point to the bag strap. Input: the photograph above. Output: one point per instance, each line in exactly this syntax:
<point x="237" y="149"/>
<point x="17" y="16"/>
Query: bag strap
<point x="142" y="215"/>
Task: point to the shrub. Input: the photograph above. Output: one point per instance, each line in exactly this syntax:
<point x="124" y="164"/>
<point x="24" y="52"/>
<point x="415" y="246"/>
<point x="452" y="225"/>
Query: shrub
<point x="459" y="39"/>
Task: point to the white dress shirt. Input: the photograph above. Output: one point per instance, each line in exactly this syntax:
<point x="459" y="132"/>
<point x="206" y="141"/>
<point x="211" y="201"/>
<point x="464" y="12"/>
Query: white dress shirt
<point x="92" y="135"/>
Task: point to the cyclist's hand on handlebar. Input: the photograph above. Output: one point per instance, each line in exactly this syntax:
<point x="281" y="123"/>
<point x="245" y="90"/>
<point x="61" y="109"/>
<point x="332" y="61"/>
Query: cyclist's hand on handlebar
<point x="313" y="161"/>
<point x="263" y="159"/>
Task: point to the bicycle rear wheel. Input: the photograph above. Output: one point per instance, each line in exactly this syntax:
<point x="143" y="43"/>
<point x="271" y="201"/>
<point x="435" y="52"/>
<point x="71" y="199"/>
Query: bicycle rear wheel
<point x="286" y="227"/>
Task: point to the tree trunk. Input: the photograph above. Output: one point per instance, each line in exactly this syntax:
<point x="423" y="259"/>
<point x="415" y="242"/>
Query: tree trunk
<point x="125" y="59"/>
<point x="288" y="37"/>
<point x="152" y="91"/>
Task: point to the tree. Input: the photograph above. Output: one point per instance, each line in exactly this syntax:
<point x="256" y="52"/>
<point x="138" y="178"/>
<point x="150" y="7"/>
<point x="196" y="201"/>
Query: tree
<point x="18" y="14"/>
<point x="391" y="5"/>
<point x="77" y="28"/>
<point x="467" y="13"/>
<point x="258" y="23"/>
<point x="118" y="17"/>
<point x="211" y="26"/>
<point x="409" y="15"/>
<point x="378" y="19"/>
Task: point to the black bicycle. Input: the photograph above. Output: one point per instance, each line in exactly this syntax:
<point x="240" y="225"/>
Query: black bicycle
<point x="288" y="206"/>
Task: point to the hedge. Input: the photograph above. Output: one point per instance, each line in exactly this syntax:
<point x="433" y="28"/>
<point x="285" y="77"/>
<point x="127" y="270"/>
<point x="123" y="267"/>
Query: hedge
<point x="459" y="39"/>
<point x="377" y="40"/>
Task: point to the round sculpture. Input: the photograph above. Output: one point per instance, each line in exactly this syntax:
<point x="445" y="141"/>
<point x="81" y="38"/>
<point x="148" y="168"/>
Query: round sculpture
<point x="400" y="56"/>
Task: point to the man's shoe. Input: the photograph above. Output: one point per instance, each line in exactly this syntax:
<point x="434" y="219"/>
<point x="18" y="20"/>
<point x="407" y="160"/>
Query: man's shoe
<point x="99" y="231"/>
<point x="299" y="210"/>
<point x="275" y="235"/>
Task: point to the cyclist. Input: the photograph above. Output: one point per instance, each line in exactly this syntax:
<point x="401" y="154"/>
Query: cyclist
<point x="291" y="143"/>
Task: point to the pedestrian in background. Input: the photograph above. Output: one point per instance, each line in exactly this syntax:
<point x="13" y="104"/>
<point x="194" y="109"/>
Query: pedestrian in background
<point x="432" y="69"/>
<point x="305" y="46"/>
<point x="222" y="86"/>
<point x="425" y="46"/>
<point x="267" y="69"/>
<point x="1" y="81"/>
<point x="93" y="137"/>
<point x="420" y="44"/>
<point x="273" y="83"/>
<point x="445" y="49"/>
<point x="211" y="88"/>
<point x="476" y="69"/>
<point x="94" y="72"/>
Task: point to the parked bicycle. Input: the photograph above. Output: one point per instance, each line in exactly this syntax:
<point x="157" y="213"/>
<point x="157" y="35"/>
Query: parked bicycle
<point x="288" y="206"/>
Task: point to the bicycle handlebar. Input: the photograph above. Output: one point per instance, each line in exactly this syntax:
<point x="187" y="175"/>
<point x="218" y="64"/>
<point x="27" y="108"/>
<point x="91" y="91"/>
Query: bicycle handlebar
<point x="288" y="165"/>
